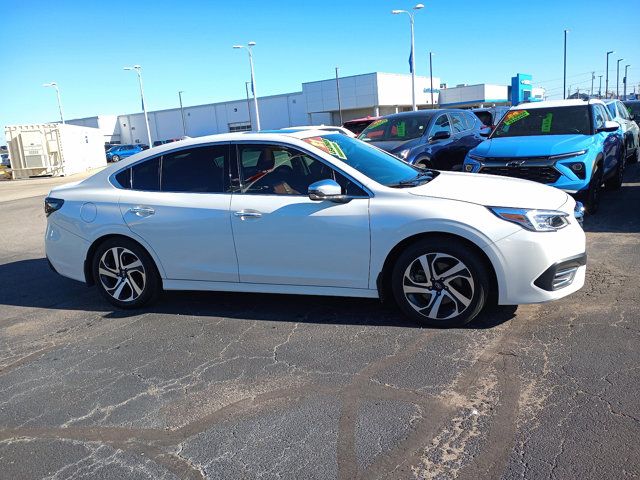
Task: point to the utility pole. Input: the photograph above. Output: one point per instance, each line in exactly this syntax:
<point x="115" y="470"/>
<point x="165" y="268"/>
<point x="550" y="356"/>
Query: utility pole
<point x="618" y="77"/>
<point x="431" y="77"/>
<point x="600" y="87"/>
<point x="626" y="67"/>
<point x="184" y="124"/>
<point x="338" y="90"/>
<point x="564" y="84"/>
<point x="593" y="77"/>
<point x="246" y="89"/>
<point x="606" y="78"/>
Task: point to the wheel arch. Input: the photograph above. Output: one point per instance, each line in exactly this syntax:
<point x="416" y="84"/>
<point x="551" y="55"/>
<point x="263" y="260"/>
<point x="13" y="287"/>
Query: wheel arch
<point x="383" y="281"/>
<point x="88" y="261"/>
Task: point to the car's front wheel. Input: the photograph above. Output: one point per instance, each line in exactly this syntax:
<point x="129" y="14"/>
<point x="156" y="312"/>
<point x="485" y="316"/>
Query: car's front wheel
<point x="440" y="283"/>
<point x="615" y="182"/>
<point x="125" y="273"/>
<point x="594" y="191"/>
<point x="115" y="158"/>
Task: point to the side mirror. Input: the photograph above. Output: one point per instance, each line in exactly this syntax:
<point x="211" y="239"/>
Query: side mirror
<point x="485" y="132"/>
<point x="441" y="135"/>
<point x="609" y="126"/>
<point x="327" y="190"/>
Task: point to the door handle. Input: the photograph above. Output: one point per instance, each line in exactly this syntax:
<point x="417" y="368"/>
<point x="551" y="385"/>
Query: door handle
<point x="247" y="214"/>
<point x="141" y="211"/>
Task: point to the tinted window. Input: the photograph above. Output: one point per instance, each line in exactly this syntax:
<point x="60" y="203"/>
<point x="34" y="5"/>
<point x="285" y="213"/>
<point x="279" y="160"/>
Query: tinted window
<point x="275" y="170"/>
<point x="373" y="162"/>
<point x="458" y="123"/>
<point x="600" y="115"/>
<point x="124" y="178"/>
<point x="623" y="111"/>
<point x="612" y="109"/>
<point x="485" y="117"/>
<point x="441" y="125"/>
<point x="404" y="127"/>
<point x="545" y="121"/>
<point x="470" y="120"/>
<point x="146" y="175"/>
<point x="199" y="170"/>
<point x="633" y="107"/>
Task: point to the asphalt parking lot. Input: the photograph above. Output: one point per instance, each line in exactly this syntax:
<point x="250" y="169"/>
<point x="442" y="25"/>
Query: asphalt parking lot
<point x="213" y="385"/>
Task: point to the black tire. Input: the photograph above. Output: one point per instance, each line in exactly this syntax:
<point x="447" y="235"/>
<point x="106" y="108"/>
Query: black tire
<point x="472" y="283"/>
<point x="115" y="158"/>
<point x="423" y="163"/>
<point x="635" y="157"/>
<point x="615" y="182"/>
<point x="111" y="274"/>
<point x="594" y="192"/>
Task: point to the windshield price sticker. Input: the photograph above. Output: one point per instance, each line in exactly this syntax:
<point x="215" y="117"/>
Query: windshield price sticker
<point x="377" y="123"/>
<point x="327" y="146"/>
<point x="546" y="123"/>
<point x="514" y="116"/>
<point x="402" y="130"/>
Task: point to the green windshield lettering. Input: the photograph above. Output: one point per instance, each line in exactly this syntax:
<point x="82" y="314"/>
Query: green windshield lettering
<point x="546" y="123"/>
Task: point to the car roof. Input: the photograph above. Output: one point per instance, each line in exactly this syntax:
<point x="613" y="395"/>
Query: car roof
<point x="423" y="113"/>
<point x="556" y="104"/>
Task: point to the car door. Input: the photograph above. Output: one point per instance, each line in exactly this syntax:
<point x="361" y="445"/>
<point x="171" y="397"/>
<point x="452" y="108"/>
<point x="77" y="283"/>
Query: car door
<point x="440" y="149"/>
<point x="630" y="128"/>
<point x="283" y="237"/>
<point x="178" y="203"/>
<point x="611" y="142"/>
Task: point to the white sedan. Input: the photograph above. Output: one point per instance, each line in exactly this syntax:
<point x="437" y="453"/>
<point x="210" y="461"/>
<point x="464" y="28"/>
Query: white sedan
<point x="314" y="213"/>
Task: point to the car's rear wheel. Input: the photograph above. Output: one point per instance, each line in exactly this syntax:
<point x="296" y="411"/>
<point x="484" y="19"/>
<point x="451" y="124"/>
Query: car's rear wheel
<point x="592" y="200"/>
<point x="115" y="158"/>
<point x="125" y="273"/>
<point x="615" y="182"/>
<point x="423" y="163"/>
<point x="440" y="283"/>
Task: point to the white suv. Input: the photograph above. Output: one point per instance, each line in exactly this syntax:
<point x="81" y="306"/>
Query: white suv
<point x="314" y="213"/>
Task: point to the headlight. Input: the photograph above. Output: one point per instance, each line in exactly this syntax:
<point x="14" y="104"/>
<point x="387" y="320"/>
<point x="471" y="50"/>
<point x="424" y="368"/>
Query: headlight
<point x="534" y="220"/>
<point x="404" y="153"/>
<point x="476" y="157"/>
<point x="564" y="156"/>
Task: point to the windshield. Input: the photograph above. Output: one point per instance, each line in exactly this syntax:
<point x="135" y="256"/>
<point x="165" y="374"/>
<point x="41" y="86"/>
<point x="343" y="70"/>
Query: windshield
<point x="376" y="164"/>
<point x="633" y="108"/>
<point x="544" y="121"/>
<point x="400" y="128"/>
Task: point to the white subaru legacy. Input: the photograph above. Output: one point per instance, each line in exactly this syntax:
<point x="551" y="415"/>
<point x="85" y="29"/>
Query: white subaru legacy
<point x="314" y="213"/>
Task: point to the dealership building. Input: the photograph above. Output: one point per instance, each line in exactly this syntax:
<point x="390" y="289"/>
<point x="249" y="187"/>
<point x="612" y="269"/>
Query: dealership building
<point x="371" y="94"/>
<point x="318" y="103"/>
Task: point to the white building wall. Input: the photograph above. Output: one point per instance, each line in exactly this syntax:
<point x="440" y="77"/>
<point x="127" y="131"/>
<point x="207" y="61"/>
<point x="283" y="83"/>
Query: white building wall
<point x="395" y="89"/>
<point x="473" y="95"/>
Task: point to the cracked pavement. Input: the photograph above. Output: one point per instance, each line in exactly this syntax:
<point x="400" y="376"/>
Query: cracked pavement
<point x="221" y="386"/>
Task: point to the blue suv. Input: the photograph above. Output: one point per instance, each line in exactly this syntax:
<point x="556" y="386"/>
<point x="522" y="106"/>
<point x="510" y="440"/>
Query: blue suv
<point x="569" y="144"/>
<point x="437" y="139"/>
<point x="118" y="152"/>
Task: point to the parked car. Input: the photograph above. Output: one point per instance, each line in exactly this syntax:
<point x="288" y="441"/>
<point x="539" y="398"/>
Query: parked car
<point x="357" y="125"/>
<point x="4" y="159"/>
<point x="437" y="139"/>
<point x="118" y="152"/>
<point x="630" y="130"/>
<point x="633" y="108"/>
<point x="313" y="213"/>
<point x="157" y="143"/>
<point x="569" y="144"/>
<point x="490" y="116"/>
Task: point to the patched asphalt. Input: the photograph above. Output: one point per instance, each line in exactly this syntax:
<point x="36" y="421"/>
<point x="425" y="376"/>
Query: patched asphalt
<point x="225" y="386"/>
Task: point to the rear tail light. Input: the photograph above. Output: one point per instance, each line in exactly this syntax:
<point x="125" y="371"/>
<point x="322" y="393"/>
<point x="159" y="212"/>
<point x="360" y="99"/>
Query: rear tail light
<point x="52" y="204"/>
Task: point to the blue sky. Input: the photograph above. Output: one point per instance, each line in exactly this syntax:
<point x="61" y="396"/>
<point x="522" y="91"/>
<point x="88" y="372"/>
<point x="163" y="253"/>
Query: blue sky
<point x="187" y="46"/>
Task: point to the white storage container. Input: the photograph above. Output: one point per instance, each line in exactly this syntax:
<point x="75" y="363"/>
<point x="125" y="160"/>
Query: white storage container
<point x="53" y="149"/>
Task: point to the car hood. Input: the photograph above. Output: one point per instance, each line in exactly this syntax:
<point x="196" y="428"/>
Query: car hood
<point x="394" y="146"/>
<point x="534" y="146"/>
<point x="492" y="191"/>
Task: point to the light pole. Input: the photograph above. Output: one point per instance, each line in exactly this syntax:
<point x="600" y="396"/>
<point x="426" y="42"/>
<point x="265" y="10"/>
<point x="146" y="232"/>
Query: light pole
<point x="600" y="87"/>
<point x="184" y="124"/>
<point x="564" y="84"/>
<point x="246" y="90"/>
<point x="338" y="92"/>
<point x="626" y="67"/>
<point x="412" y="60"/>
<point x="606" y="78"/>
<point x="138" y="70"/>
<point x="249" y="46"/>
<point x="431" y="77"/>
<point x="54" y="85"/>
<point x="593" y="77"/>
<point x="618" y="77"/>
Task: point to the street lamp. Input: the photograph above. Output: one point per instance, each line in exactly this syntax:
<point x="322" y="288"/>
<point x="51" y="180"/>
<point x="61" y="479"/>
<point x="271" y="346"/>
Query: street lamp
<point x="412" y="59"/>
<point x="606" y="78"/>
<point x="600" y="87"/>
<point x="564" y="84"/>
<point x="184" y="124"/>
<point x="618" y="77"/>
<point x="253" y="81"/>
<point x="54" y="85"/>
<point x="431" y="77"/>
<point x="626" y="67"/>
<point x="138" y="70"/>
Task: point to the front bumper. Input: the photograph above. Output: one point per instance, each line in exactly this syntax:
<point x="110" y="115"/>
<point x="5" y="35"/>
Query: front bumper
<point x="523" y="261"/>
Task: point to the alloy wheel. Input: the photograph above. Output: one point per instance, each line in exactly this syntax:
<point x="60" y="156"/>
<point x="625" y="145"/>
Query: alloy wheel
<point x="122" y="274"/>
<point x="438" y="286"/>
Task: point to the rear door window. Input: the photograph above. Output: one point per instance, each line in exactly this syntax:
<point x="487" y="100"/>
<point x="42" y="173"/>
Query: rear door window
<point x="458" y="123"/>
<point x="195" y="170"/>
<point x="441" y="125"/>
<point x="146" y="175"/>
